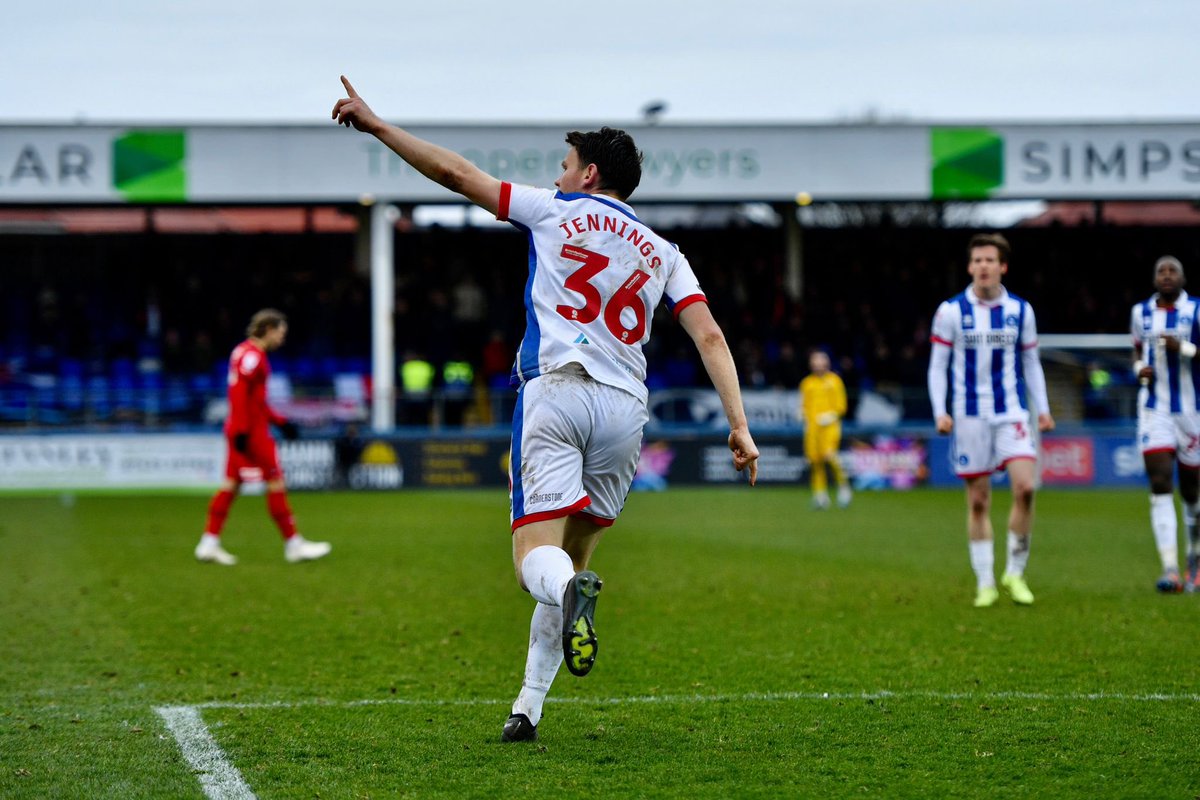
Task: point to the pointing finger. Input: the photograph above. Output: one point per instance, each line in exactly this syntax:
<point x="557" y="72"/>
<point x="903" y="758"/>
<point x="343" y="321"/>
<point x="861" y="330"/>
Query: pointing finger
<point x="349" y="88"/>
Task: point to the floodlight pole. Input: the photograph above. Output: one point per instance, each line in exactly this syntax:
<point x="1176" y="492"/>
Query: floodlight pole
<point x="793" y="278"/>
<point x="382" y="225"/>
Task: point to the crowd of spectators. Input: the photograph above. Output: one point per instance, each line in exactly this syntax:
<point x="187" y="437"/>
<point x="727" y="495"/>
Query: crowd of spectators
<point x="176" y="304"/>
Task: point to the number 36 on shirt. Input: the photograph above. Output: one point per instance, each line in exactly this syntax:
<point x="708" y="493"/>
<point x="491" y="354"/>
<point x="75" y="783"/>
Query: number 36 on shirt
<point x="625" y="297"/>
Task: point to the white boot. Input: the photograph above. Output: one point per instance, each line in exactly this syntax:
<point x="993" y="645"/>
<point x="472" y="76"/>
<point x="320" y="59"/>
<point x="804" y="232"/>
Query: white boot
<point x="209" y="549"/>
<point x="844" y="495"/>
<point x="298" y="548"/>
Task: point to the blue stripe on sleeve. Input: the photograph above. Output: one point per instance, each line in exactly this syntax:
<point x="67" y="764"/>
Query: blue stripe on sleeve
<point x="526" y="365"/>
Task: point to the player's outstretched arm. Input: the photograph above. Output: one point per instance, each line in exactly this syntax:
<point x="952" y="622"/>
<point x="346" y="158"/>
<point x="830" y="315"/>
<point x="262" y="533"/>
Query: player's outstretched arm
<point x="698" y="321"/>
<point x="434" y="162"/>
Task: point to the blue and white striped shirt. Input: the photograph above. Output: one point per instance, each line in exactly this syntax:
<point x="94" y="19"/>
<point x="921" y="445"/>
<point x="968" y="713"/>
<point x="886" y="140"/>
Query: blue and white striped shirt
<point x="1176" y="380"/>
<point x="992" y="358"/>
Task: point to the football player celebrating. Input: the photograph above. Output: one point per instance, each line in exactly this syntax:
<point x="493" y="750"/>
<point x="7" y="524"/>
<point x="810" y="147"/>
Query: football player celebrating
<point x="251" y="448"/>
<point x="596" y="274"/>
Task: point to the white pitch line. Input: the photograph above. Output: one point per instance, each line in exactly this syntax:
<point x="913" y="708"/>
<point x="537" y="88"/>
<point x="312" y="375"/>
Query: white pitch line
<point x="765" y="697"/>
<point x="219" y="779"/>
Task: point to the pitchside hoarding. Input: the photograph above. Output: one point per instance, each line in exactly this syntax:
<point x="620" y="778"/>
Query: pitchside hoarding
<point x="877" y="461"/>
<point x="773" y="163"/>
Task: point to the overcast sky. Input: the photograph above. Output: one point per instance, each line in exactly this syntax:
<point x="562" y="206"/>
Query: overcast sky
<point x="477" y="60"/>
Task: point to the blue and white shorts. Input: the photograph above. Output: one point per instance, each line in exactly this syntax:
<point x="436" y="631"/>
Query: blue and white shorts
<point x="575" y="446"/>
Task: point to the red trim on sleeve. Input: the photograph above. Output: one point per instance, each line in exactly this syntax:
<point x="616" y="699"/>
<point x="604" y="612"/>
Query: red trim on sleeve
<point x="578" y="505"/>
<point x="687" y="301"/>
<point x="937" y="340"/>
<point x="505" y="196"/>
<point x="1158" y="450"/>
<point x="1030" y="346"/>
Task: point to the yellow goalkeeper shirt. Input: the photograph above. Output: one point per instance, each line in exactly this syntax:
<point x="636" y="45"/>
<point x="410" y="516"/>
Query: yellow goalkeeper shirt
<point x="820" y="394"/>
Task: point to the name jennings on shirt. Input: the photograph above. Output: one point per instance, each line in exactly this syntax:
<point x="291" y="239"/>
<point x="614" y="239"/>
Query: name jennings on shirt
<point x="606" y="223"/>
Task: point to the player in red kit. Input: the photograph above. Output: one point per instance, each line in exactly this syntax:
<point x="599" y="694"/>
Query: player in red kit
<point x="251" y="448"/>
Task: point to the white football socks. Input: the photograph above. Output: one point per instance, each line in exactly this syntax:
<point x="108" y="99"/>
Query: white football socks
<point x="546" y="571"/>
<point x="542" y="662"/>
<point x="1018" y="553"/>
<point x="1166" y="529"/>
<point x="982" y="561"/>
<point x="1190" y="512"/>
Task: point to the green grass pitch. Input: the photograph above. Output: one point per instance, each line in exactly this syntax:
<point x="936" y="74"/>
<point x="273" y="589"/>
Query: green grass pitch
<point x="749" y="647"/>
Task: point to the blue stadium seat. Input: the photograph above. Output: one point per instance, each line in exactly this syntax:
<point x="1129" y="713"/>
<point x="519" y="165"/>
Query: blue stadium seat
<point x="15" y="401"/>
<point x="327" y="367"/>
<point x="359" y="365"/>
<point x="99" y="397"/>
<point x="304" y="370"/>
<point x="150" y="390"/>
<point x="177" y="398"/>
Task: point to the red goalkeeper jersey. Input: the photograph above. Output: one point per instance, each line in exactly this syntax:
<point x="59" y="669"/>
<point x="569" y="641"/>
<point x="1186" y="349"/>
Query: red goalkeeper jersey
<point x="248" y="409"/>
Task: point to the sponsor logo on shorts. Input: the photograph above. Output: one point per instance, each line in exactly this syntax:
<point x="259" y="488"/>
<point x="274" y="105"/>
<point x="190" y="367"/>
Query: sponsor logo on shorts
<point x="545" y="497"/>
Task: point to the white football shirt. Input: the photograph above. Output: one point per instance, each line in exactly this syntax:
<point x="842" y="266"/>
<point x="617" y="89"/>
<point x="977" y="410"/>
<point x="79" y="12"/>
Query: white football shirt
<point x="990" y="342"/>
<point x="1176" y="382"/>
<point x="596" y="274"/>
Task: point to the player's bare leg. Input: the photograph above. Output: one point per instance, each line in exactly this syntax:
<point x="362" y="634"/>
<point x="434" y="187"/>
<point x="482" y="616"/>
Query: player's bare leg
<point x="979" y="535"/>
<point x="209" y="548"/>
<point x="1189" y="492"/>
<point x="551" y="558"/>
<point x="1022" y="474"/>
<point x="547" y="555"/>
<point x="1160" y="468"/>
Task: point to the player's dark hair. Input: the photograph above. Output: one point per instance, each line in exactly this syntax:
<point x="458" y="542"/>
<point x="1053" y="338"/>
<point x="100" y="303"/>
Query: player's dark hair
<point x="991" y="240"/>
<point x="265" y="320"/>
<point x="616" y="156"/>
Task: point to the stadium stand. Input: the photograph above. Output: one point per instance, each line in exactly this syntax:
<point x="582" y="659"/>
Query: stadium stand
<point x="127" y="319"/>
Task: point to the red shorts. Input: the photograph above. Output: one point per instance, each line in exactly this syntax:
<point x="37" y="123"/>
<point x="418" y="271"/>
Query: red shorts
<point x="259" y="462"/>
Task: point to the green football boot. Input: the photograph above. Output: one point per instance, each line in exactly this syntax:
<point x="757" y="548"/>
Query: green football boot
<point x="1018" y="589"/>
<point x="579" y="632"/>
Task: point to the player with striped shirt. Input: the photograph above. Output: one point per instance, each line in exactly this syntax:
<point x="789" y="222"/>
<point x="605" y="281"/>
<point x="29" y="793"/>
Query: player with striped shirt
<point x="596" y="274"/>
<point x="1165" y="335"/>
<point x="985" y="353"/>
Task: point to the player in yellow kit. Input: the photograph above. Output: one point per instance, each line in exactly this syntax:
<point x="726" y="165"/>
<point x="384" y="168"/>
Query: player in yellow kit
<point x="823" y="404"/>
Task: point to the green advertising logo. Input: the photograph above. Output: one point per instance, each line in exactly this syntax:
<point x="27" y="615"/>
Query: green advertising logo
<point x="968" y="163"/>
<point x="148" y="166"/>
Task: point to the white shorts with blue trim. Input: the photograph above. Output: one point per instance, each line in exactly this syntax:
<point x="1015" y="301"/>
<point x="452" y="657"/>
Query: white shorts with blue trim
<point x="982" y="446"/>
<point x="575" y="446"/>
<point x="1161" y="431"/>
